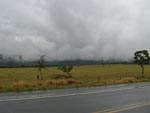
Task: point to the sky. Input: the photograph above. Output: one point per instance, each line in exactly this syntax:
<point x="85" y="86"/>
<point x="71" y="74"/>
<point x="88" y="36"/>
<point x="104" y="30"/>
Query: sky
<point x="74" y="29"/>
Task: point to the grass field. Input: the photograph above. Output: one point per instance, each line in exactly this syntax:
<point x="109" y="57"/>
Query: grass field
<point x="24" y="79"/>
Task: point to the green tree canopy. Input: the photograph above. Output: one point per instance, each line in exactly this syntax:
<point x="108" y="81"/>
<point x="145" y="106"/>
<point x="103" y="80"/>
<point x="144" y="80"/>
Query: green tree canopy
<point x="66" y="69"/>
<point x="142" y="58"/>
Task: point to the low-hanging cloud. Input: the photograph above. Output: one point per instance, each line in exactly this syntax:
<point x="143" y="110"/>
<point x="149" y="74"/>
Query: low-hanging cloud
<point x="74" y="29"/>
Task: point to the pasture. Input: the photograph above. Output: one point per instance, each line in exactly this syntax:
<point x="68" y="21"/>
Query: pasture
<point x="24" y="79"/>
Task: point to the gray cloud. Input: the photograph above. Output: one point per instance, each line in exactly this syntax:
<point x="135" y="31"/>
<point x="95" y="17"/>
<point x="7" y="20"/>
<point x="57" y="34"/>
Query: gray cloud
<point x="74" y="29"/>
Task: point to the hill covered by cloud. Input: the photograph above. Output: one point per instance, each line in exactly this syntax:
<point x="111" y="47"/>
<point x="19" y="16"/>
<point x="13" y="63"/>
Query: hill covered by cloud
<point x="74" y="29"/>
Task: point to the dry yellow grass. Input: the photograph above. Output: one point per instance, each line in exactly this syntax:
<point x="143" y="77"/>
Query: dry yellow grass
<point x="20" y="85"/>
<point x="21" y="79"/>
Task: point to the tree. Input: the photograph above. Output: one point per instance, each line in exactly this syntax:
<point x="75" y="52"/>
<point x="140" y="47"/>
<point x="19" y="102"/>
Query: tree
<point x="66" y="69"/>
<point x="142" y="58"/>
<point x="20" y="60"/>
<point x="41" y="66"/>
<point x="1" y="58"/>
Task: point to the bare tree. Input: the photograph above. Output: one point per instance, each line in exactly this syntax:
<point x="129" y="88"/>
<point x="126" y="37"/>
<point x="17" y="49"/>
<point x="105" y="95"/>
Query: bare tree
<point x="41" y="67"/>
<point x="20" y="60"/>
<point x="1" y="58"/>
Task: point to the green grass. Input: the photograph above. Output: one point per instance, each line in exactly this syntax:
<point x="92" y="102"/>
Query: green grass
<point x="24" y="79"/>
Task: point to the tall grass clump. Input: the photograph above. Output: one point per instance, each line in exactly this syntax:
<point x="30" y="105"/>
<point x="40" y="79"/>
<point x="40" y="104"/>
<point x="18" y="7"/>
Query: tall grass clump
<point x="47" y="84"/>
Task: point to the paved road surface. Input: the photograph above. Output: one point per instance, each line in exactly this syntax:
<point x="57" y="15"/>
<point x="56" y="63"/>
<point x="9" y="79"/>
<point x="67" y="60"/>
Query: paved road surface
<point x="132" y="98"/>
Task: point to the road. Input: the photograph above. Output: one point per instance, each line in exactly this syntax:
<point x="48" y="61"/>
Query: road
<point x="129" y="98"/>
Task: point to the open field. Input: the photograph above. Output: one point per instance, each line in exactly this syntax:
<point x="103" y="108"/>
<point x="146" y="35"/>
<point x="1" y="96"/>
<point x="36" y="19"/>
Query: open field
<point x="21" y="79"/>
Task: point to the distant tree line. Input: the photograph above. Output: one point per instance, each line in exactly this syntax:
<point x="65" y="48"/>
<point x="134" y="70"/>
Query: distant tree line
<point x="18" y="61"/>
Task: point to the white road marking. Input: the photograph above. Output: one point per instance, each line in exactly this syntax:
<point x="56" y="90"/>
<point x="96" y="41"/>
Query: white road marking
<point x="131" y="107"/>
<point x="32" y="97"/>
<point x="124" y="108"/>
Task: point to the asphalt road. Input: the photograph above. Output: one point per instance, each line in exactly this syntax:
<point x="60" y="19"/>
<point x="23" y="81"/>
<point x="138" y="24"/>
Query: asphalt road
<point x="131" y="98"/>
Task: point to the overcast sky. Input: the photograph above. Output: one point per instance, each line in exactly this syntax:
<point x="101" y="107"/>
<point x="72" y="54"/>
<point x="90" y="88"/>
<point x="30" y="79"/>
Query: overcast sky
<point x="74" y="29"/>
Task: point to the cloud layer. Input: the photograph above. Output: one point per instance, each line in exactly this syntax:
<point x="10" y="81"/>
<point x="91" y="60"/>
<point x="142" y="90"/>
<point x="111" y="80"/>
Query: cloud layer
<point x="74" y="29"/>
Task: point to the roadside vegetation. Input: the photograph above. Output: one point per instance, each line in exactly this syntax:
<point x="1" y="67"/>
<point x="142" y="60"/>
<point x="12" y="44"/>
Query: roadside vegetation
<point x="68" y="76"/>
<point x="24" y="79"/>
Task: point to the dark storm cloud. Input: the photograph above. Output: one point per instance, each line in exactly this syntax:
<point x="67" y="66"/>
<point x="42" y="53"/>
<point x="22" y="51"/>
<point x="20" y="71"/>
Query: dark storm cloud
<point x="74" y="29"/>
